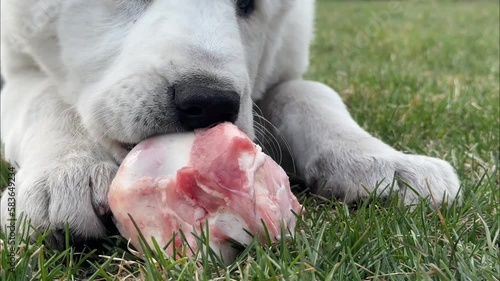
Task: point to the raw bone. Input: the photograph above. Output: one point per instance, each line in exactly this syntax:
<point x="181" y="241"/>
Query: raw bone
<point x="179" y="182"/>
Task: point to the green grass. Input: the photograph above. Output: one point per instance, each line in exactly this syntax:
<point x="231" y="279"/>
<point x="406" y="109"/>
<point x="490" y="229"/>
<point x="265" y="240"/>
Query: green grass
<point x="424" y="77"/>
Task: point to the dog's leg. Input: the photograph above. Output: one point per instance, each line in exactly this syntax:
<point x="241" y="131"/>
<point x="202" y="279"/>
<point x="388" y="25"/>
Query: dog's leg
<point x="63" y="176"/>
<point x="338" y="158"/>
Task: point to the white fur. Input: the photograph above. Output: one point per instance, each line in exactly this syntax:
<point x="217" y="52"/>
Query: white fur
<point x="83" y="76"/>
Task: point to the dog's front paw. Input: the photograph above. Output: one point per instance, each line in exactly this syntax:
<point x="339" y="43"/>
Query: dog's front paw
<point x="351" y="177"/>
<point x="422" y="176"/>
<point x="69" y="190"/>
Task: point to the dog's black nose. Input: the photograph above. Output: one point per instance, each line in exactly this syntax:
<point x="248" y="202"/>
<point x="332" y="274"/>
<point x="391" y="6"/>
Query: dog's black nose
<point x="200" y="105"/>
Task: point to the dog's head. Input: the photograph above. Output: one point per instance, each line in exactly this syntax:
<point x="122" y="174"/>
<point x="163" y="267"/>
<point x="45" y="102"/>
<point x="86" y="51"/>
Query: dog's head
<point x="138" y="68"/>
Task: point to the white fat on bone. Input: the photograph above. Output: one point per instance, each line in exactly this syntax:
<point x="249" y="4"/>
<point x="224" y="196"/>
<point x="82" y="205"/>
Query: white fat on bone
<point x="181" y="182"/>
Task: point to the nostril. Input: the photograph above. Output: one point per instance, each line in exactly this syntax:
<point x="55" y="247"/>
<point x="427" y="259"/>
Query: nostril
<point x="200" y="105"/>
<point x="193" y="111"/>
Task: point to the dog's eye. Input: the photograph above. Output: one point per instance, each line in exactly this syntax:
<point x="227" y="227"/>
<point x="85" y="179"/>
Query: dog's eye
<point x="245" y="7"/>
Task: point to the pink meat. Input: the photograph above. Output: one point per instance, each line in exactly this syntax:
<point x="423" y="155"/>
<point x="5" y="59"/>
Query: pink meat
<point x="179" y="182"/>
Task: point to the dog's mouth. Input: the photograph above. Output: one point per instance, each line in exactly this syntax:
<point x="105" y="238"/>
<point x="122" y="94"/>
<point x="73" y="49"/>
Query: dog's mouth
<point x="128" y="146"/>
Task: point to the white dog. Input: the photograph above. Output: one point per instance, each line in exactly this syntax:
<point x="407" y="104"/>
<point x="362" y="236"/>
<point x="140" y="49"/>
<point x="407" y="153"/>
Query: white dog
<point x="85" y="79"/>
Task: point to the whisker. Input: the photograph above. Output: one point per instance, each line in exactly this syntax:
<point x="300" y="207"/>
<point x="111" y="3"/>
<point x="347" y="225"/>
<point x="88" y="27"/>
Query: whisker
<point x="274" y="132"/>
<point x="268" y="146"/>
<point x="274" y="141"/>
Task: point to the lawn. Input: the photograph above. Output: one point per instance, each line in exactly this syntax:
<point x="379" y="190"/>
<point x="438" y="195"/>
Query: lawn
<point x="421" y="75"/>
